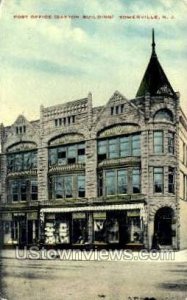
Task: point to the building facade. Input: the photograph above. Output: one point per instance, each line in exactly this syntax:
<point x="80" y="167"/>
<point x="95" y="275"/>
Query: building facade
<point x="111" y="176"/>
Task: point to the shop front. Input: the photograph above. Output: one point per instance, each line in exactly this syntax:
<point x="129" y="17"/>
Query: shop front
<point x="20" y="228"/>
<point x="110" y="226"/>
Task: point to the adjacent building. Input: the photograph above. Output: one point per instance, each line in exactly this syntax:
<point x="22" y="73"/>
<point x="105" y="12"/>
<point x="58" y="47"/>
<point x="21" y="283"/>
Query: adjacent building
<point x="111" y="176"/>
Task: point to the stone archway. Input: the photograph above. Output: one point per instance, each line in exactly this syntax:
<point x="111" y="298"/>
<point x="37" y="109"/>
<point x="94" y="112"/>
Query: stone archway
<point x="163" y="229"/>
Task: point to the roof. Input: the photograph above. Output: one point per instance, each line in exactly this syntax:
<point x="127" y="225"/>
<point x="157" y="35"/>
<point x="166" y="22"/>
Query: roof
<point x="155" y="81"/>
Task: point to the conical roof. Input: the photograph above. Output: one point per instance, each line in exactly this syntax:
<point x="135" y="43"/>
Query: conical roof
<point x="154" y="80"/>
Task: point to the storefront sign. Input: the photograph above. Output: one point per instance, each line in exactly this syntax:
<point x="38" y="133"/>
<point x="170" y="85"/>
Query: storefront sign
<point x="99" y="215"/>
<point x="133" y="213"/>
<point x="78" y="215"/>
<point x="18" y="214"/>
<point x="32" y="215"/>
<point x="7" y="217"/>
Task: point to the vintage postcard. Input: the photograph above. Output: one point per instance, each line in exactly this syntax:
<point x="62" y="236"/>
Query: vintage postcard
<point x="93" y="150"/>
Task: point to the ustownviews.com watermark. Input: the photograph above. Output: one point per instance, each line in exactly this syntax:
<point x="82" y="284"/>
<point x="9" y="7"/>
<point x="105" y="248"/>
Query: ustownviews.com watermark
<point x="36" y="253"/>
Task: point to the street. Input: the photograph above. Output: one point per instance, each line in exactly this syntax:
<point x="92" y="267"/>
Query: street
<point x="111" y="280"/>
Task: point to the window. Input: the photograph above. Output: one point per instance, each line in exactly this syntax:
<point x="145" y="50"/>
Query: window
<point x="122" y="108"/>
<point x="110" y="183"/>
<point x="81" y="153"/>
<point x="113" y="148"/>
<point x="22" y="190"/>
<point x="118" y="182"/>
<point x="136" y="180"/>
<point x="119" y="147"/>
<point x="158" y="180"/>
<point x="67" y="186"/>
<point x="65" y="121"/>
<point x="122" y="181"/>
<point x="171" y="145"/>
<point x="118" y="109"/>
<point x="24" y="161"/>
<point x="102" y="150"/>
<point x="81" y="185"/>
<point x="71" y="154"/>
<point x="136" y="145"/>
<point x="34" y="190"/>
<point x="15" y="191"/>
<point x="125" y="146"/>
<point x="67" y="155"/>
<point x="163" y="115"/>
<point x="20" y="129"/>
<point x="158" y="142"/>
<point x="171" y="180"/>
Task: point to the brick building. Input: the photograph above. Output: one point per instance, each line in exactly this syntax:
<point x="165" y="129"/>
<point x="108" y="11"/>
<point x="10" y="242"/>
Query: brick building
<point x="109" y="176"/>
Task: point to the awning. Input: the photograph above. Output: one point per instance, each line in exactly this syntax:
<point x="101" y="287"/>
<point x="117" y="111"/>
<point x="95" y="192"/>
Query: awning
<point x="97" y="208"/>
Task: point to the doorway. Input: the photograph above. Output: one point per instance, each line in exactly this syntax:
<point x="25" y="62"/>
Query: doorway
<point x="163" y="226"/>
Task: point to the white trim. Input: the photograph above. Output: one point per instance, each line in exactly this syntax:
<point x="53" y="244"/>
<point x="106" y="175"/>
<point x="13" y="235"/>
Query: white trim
<point x="93" y="208"/>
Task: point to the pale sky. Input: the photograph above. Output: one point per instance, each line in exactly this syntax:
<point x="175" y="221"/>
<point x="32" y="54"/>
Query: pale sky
<point x="52" y="61"/>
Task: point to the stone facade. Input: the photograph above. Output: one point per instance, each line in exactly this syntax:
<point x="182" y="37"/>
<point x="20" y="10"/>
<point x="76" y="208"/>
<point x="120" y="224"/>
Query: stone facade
<point x="76" y="200"/>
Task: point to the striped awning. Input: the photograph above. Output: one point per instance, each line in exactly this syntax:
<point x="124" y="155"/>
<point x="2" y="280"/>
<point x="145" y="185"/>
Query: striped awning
<point x="97" y="208"/>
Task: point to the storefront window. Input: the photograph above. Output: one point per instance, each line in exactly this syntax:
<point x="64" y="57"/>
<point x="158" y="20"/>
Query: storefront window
<point x="100" y="230"/>
<point x="50" y="233"/>
<point x="80" y="228"/>
<point x="158" y="180"/>
<point x="158" y="142"/>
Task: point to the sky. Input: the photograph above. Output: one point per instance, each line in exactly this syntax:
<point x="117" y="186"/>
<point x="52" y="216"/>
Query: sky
<point x="52" y="60"/>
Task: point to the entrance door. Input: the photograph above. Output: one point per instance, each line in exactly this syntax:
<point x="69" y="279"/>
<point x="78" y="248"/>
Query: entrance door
<point x="163" y="226"/>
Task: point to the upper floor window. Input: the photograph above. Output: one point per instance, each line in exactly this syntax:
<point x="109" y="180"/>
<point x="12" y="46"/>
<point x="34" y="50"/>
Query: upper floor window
<point x="163" y="115"/>
<point x="122" y="181"/>
<point x="67" y="186"/>
<point x="64" y="121"/>
<point x="158" y="180"/>
<point x="22" y="190"/>
<point x="69" y="154"/>
<point x="119" y="147"/>
<point x="117" y="109"/>
<point x="171" y="180"/>
<point x="25" y="161"/>
<point x="20" y="129"/>
<point x="158" y="142"/>
<point x="171" y="142"/>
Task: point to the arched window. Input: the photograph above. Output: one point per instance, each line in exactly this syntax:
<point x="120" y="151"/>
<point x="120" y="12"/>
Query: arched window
<point x="163" y="115"/>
